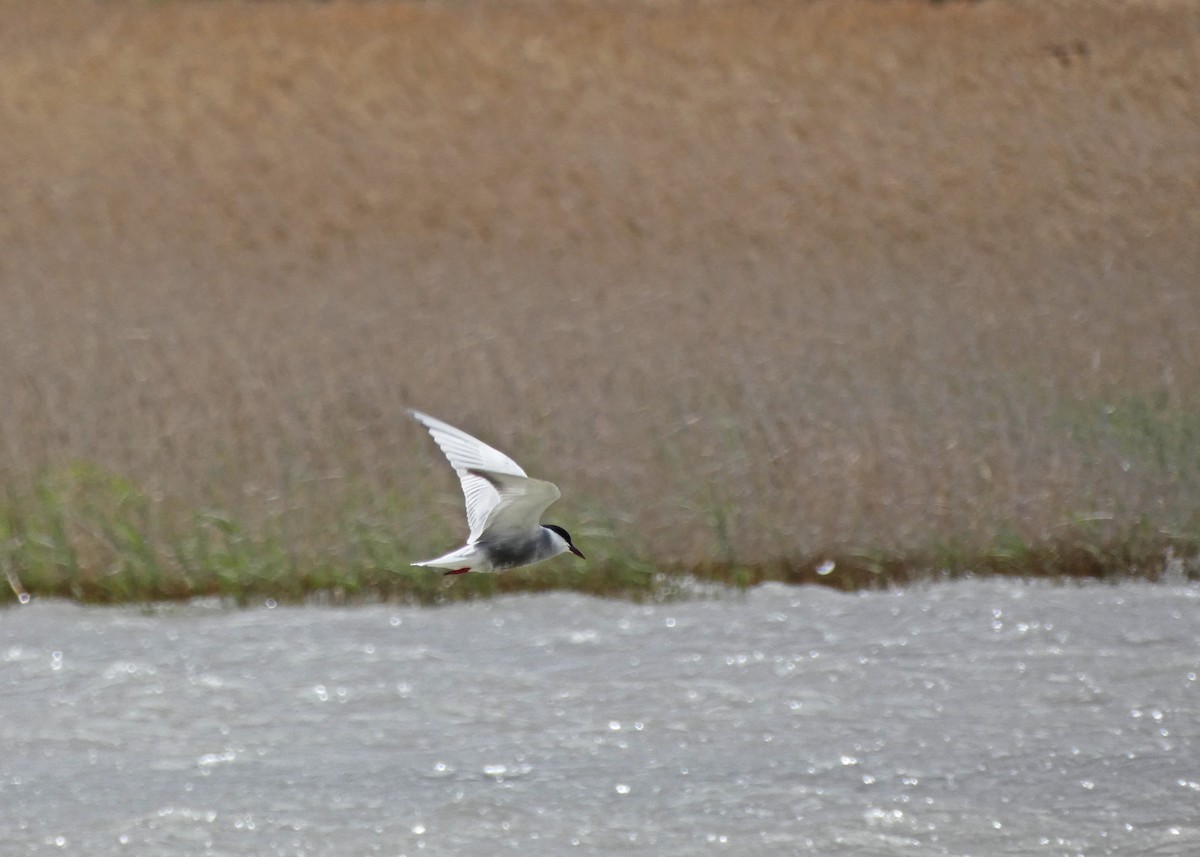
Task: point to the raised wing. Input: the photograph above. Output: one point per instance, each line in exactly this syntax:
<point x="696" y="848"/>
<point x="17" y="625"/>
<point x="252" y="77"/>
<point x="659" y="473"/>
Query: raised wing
<point x="522" y="501"/>
<point x="467" y="454"/>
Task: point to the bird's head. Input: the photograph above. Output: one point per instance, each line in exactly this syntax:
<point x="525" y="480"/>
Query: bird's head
<point x="566" y="537"/>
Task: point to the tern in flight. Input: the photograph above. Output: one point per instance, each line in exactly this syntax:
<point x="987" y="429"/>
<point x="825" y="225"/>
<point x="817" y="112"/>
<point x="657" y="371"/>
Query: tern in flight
<point x="504" y="507"/>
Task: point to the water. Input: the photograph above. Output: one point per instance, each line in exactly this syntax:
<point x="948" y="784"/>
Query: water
<point x="966" y="718"/>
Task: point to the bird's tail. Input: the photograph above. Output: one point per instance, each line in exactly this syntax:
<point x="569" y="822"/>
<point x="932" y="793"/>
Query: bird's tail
<point x="466" y="556"/>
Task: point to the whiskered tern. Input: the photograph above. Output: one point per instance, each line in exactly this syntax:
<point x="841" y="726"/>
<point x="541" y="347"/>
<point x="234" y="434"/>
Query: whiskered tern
<point x="504" y="507"/>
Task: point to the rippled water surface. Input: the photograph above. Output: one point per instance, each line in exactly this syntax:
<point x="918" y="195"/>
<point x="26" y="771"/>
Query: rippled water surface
<point x="963" y="718"/>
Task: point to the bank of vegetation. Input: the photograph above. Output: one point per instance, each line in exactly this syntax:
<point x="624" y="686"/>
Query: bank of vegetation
<point x="856" y="293"/>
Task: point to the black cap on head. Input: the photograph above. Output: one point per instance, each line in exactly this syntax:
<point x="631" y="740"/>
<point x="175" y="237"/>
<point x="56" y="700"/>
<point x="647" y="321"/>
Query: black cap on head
<point x="566" y="537"/>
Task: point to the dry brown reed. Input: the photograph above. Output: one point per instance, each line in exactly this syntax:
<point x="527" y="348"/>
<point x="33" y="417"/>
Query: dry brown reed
<point x="753" y="281"/>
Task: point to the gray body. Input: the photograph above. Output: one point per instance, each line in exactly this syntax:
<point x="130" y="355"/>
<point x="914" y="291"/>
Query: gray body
<point x="511" y="550"/>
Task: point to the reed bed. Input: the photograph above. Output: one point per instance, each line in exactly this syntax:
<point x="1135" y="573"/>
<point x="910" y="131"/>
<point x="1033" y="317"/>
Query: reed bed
<point x="848" y="292"/>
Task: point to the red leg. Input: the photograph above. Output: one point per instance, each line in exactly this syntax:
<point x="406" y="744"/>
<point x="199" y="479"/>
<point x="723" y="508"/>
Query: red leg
<point x="458" y="571"/>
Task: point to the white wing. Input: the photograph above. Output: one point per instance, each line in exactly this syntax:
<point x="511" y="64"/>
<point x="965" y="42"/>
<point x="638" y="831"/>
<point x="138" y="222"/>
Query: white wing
<point x="522" y="501"/>
<point x="466" y="454"/>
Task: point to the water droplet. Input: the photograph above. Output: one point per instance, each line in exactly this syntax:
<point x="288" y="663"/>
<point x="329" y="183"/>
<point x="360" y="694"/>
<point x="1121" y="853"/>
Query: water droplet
<point x="23" y="597"/>
<point x="614" y="725"/>
<point x="877" y="816"/>
<point x="622" y="788"/>
<point x="418" y="829"/>
<point x="210" y="759"/>
<point x="826" y="567"/>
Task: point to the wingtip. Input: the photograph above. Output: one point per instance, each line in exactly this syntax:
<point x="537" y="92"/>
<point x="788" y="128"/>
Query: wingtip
<point x="423" y="418"/>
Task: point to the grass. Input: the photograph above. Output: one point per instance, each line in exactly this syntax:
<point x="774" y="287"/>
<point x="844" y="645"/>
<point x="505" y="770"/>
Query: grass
<point x="94" y="537"/>
<point x="91" y="536"/>
<point x="761" y="286"/>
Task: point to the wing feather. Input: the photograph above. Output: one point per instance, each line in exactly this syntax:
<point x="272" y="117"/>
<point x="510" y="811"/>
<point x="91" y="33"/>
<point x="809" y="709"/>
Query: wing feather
<point x="466" y="454"/>
<point x="522" y="501"/>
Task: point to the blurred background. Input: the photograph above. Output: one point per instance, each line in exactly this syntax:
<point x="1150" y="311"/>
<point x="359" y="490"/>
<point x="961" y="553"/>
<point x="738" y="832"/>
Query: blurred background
<point x="753" y="282"/>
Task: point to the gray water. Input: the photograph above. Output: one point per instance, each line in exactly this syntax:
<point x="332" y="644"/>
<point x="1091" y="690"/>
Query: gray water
<point x="963" y="718"/>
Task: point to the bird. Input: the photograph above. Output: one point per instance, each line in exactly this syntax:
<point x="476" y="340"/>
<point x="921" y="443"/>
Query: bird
<point x="504" y="507"/>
